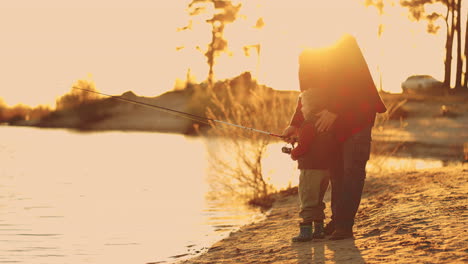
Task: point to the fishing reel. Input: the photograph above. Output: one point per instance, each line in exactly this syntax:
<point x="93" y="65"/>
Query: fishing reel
<point x="286" y="149"/>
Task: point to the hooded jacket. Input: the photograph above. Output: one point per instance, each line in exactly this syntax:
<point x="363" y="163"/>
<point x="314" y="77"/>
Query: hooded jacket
<point x="342" y="76"/>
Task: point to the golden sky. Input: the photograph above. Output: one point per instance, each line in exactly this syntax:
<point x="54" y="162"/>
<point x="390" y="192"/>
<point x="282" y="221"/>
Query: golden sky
<point x="130" y="45"/>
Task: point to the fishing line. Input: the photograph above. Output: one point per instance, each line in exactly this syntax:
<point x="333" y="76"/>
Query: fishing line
<point x="163" y="109"/>
<point x="180" y="113"/>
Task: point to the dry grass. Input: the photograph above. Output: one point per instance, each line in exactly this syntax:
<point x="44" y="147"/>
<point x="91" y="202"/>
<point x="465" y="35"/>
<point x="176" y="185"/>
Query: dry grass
<point x="387" y="148"/>
<point x="236" y="153"/>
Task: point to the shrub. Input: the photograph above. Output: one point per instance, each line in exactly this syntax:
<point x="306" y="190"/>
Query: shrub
<point x="78" y="97"/>
<point x="235" y="154"/>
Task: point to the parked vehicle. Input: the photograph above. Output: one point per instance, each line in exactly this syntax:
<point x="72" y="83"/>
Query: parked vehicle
<point x="422" y="84"/>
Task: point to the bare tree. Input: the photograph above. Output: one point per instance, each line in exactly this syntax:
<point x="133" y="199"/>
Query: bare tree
<point x="259" y="24"/>
<point x="379" y="4"/>
<point x="224" y="12"/>
<point x="458" y="75"/>
<point x="449" y="42"/>
<point x="465" y="79"/>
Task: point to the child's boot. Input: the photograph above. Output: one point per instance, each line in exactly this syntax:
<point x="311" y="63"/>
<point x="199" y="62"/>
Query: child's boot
<point x="305" y="233"/>
<point x="319" y="231"/>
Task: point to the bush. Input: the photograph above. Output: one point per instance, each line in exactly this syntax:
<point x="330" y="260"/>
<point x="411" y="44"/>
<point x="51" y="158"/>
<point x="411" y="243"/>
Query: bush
<point x="235" y="153"/>
<point x="78" y="97"/>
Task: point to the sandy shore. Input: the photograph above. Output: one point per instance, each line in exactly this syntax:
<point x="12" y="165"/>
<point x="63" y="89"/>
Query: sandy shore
<point x="405" y="217"/>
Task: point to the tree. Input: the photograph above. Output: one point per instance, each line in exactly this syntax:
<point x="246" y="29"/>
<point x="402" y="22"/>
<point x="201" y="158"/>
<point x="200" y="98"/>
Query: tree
<point x="452" y="20"/>
<point x="379" y="4"/>
<point x="465" y="79"/>
<point x="224" y="12"/>
<point x="21" y="112"/>
<point x="3" y="106"/>
<point x="77" y="97"/>
<point x="458" y="80"/>
<point x="449" y="42"/>
<point x="39" y="112"/>
<point x="259" y="24"/>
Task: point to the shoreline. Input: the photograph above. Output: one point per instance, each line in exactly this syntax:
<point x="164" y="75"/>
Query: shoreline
<point x="111" y="114"/>
<point x="404" y="217"/>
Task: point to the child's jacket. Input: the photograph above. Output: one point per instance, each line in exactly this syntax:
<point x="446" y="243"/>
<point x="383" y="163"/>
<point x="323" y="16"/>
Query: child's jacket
<point x="314" y="150"/>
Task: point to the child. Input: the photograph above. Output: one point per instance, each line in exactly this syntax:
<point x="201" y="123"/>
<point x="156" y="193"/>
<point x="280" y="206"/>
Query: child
<point x="313" y="154"/>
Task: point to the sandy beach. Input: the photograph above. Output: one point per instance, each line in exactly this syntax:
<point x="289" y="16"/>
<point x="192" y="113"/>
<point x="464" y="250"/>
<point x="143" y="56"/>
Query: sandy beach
<point x="405" y="217"/>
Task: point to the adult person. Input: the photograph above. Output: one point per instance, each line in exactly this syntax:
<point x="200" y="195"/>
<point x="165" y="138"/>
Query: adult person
<point x="353" y="102"/>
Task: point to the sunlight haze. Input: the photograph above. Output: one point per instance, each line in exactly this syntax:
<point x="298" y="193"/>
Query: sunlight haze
<point x="121" y="46"/>
<point x="185" y="131"/>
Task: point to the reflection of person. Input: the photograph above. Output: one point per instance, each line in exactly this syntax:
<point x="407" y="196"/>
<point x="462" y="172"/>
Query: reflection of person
<point x="353" y="102"/>
<point x="314" y="153"/>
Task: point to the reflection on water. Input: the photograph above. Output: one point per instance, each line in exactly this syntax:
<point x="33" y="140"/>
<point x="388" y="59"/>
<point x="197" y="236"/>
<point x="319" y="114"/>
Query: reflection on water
<point x="283" y="173"/>
<point x="118" y="197"/>
<point x="384" y="164"/>
<point x="109" y="197"/>
<point x="279" y="168"/>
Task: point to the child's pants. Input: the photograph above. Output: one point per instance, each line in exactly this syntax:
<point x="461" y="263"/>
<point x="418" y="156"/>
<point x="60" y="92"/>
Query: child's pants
<point x="312" y="187"/>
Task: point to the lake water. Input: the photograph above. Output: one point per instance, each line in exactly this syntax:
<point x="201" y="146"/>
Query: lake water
<point x="111" y="197"/>
<point x="117" y="197"/>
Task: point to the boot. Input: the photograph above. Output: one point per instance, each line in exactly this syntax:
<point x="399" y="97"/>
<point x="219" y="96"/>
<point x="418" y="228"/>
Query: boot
<point x="305" y="233"/>
<point x="319" y="231"/>
<point x="329" y="228"/>
<point x="342" y="233"/>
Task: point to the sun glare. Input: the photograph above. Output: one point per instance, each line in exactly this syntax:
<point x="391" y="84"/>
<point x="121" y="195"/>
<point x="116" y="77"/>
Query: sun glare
<point x="146" y="53"/>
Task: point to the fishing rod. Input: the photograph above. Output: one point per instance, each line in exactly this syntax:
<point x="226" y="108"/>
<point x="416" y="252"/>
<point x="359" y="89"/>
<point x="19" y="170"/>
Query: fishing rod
<point x="180" y="113"/>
